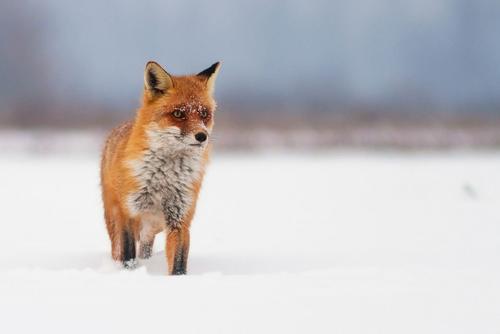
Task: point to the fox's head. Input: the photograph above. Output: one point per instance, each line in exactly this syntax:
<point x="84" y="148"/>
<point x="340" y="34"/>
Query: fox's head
<point x="178" y="111"/>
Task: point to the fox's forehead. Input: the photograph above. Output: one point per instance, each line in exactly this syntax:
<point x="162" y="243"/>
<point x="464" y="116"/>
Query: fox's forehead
<point x="192" y="105"/>
<point x="190" y="93"/>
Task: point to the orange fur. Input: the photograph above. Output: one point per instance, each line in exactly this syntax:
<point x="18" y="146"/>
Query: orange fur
<point x="162" y="95"/>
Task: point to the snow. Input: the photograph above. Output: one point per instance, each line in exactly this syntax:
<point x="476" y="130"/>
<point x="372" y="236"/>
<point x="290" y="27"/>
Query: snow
<point x="347" y="242"/>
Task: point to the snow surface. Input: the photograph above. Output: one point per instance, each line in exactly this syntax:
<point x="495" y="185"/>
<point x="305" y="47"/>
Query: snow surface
<point x="284" y="243"/>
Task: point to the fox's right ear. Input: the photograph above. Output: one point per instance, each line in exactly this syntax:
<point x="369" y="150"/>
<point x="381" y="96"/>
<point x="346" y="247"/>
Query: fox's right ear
<point x="156" y="80"/>
<point x="209" y="75"/>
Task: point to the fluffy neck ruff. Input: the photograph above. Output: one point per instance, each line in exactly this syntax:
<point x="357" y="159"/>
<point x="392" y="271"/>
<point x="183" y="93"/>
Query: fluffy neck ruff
<point x="165" y="172"/>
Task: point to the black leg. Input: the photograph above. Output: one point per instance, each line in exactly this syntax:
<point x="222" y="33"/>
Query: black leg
<point x="178" y="250"/>
<point x="180" y="262"/>
<point x="128" y="250"/>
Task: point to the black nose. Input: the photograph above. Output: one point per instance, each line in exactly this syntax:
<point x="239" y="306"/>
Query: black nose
<point x="200" y="136"/>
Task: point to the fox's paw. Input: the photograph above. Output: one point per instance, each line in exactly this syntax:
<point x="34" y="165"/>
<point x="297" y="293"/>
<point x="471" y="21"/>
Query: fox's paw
<point x="145" y="250"/>
<point x="179" y="272"/>
<point x="130" y="264"/>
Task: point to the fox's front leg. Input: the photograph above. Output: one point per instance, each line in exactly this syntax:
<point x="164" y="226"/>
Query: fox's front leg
<point x="177" y="236"/>
<point x="177" y="250"/>
<point x="122" y="239"/>
<point x="128" y="249"/>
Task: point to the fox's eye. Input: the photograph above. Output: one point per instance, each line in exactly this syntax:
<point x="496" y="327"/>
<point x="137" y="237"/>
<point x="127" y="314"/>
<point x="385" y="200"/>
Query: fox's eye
<point x="178" y="113"/>
<point x="204" y="113"/>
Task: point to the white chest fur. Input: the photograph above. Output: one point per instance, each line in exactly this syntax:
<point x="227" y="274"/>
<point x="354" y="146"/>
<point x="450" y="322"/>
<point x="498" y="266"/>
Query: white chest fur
<point x="166" y="173"/>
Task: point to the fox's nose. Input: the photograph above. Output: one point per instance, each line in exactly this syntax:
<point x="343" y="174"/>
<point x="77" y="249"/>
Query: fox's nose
<point x="200" y="136"/>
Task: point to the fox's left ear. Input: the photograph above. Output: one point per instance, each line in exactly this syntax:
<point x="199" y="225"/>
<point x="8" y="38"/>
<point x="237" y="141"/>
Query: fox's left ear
<point x="210" y="74"/>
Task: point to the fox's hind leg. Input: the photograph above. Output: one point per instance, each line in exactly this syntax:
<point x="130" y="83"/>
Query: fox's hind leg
<point x="146" y="243"/>
<point x="145" y="249"/>
<point x="146" y="236"/>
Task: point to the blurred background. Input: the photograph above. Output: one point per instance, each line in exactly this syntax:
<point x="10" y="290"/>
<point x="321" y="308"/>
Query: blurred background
<point x="354" y="187"/>
<point x="296" y="74"/>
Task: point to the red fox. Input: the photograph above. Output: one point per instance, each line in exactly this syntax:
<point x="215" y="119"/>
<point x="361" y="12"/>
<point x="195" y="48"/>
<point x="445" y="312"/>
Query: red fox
<point x="152" y="167"/>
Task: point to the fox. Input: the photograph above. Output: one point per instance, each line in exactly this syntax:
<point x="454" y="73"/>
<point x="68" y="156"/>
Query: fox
<point x="152" y="166"/>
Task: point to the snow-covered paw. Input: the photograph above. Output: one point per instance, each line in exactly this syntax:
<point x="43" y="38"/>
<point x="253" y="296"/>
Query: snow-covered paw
<point x="130" y="264"/>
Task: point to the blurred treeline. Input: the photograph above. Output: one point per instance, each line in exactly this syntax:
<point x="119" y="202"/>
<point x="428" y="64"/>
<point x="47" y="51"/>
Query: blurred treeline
<point x="286" y="64"/>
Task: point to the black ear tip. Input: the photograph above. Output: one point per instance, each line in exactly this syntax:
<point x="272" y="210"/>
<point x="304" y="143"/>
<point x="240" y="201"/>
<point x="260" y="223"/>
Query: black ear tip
<point x="209" y="71"/>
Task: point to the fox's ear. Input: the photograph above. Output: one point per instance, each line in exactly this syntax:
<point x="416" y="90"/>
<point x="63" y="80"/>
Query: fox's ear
<point x="210" y="74"/>
<point x="156" y="80"/>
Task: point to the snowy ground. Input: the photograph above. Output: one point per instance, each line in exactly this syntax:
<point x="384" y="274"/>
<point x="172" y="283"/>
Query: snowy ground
<point x="282" y="243"/>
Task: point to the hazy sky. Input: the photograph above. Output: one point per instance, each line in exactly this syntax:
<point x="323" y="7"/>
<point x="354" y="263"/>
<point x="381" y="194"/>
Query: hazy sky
<point x="447" y="50"/>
